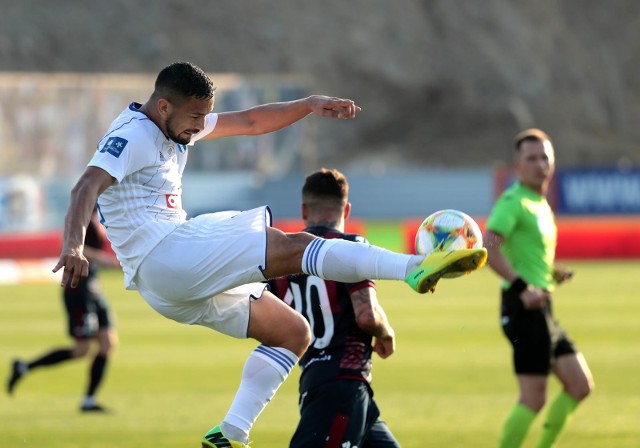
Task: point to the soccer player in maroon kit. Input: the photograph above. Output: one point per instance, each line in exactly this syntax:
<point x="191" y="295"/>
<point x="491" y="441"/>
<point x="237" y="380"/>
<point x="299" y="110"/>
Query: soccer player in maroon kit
<point x="347" y="325"/>
<point x="89" y="319"/>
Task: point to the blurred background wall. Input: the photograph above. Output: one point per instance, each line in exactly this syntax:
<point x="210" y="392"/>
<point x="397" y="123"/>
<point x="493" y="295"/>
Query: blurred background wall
<point x="444" y="86"/>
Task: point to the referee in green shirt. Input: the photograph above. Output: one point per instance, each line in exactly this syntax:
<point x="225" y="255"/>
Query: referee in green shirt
<point x="521" y="240"/>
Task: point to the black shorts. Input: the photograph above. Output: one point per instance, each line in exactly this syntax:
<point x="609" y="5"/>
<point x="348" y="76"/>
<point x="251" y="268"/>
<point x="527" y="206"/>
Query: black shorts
<point x="87" y="310"/>
<point x="536" y="336"/>
<point x="340" y="412"/>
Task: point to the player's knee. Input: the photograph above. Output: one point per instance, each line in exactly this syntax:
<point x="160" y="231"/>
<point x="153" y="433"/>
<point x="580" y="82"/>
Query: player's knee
<point x="300" y="335"/>
<point x="108" y="348"/>
<point x="288" y="242"/>
<point x="581" y="390"/>
<point x="285" y="252"/>
<point x="108" y="341"/>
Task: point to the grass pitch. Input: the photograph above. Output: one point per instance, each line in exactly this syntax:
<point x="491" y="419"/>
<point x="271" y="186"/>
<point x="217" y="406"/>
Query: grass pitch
<point x="449" y="384"/>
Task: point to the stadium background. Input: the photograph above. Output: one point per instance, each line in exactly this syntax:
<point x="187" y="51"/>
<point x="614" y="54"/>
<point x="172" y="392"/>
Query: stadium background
<point x="443" y="85"/>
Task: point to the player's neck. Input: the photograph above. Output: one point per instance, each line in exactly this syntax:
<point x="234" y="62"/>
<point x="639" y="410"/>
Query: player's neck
<point x="323" y="222"/>
<point x="538" y="189"/>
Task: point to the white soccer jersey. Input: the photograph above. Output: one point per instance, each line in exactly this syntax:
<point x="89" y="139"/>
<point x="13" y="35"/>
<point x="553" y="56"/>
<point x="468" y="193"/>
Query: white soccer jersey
<point x="145" y="204"/>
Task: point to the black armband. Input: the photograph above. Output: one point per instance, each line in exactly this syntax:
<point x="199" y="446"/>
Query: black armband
<point x="517" y="286"/>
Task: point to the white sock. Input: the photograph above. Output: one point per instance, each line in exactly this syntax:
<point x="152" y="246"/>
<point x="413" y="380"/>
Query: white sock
<point x="263" y="373"/>
<point x="349" y="262"/>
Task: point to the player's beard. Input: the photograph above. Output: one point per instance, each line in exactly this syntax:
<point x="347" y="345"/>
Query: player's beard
<point x="174" y="136"/>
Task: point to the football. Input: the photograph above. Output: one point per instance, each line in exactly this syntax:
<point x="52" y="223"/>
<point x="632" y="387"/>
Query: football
<point x="448" y="230"/>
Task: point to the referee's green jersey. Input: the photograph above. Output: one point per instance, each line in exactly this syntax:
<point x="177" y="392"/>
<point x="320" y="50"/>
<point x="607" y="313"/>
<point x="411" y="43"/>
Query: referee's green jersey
<point x="526" y="222"/>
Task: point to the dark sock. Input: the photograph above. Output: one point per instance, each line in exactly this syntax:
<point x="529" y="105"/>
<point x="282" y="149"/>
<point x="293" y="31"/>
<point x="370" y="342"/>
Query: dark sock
<point x="51" y="358"/>
<point x="97" y="372"/>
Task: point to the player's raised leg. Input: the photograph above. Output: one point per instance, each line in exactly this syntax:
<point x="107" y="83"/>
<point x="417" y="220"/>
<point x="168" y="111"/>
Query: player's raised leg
<point x="347" y="261"/>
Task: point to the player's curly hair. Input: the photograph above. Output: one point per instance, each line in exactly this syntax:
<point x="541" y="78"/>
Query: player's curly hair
<point x="181" y="81"/>
<point x="327" y="186"/>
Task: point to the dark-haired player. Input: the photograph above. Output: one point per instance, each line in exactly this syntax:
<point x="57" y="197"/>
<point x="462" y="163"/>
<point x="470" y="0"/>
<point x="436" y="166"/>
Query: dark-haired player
<point x="89" y="319"/>
<point x="348" y="324"/>
<point x="521" y="239"/>
<point x="209" y="270"/>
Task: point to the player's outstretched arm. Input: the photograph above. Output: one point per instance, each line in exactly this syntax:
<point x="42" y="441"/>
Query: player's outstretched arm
<point x="83" y="199"/>
<point x="274" y="116"/>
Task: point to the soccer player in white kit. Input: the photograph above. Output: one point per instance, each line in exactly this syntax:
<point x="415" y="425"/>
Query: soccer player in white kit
<point x="209" y="270"/>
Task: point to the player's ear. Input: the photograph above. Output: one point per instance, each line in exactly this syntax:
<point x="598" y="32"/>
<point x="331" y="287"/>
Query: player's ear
<point x="163" y="106"/>
<point x="304" y="211"/>
<point x="347" y="211"/>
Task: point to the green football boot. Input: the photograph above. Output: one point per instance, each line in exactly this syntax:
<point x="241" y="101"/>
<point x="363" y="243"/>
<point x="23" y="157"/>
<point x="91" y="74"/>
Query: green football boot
<point x="440" y="264"/>
<point x="215" y="439"/>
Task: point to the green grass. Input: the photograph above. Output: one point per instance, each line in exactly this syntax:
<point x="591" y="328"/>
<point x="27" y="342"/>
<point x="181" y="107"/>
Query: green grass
<point x="449" y="384"/>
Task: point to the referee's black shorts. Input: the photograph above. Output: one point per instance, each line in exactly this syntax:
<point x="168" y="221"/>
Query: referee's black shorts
<point x="536" y="336"/>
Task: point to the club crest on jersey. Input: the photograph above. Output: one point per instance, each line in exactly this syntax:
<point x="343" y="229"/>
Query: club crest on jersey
<point x="114" y="146"/>
<point x="167" y="153"/>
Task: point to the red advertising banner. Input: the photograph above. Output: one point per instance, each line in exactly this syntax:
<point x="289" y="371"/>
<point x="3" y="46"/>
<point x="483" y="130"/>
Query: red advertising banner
<point x="584" y="237"/>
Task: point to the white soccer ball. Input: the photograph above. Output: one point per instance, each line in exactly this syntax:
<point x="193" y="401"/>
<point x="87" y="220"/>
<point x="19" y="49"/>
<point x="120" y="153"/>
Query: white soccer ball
<point x="448" y="230"/>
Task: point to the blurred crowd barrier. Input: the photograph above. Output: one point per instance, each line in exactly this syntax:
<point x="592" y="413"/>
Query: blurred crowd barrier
<point x="603" y="223"/>
<point x="28" y="204"/>
<point x="29" y="257"/>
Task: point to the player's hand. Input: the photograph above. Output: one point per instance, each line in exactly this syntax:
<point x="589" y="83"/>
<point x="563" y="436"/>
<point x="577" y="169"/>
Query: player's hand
<point x="385" y="346"/>
<point x="333" y="107"/>
<point x="76" y="267"/>
<point x="534" y="298"/>
<point x="561" y="273"/>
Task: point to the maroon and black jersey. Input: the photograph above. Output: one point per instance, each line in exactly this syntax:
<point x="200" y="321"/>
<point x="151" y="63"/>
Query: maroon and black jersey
<point x="339" y="348"/>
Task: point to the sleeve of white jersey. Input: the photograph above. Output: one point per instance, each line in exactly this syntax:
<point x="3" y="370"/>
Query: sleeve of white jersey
<point x="210" y="122"/>
<point x="122" y="154"/>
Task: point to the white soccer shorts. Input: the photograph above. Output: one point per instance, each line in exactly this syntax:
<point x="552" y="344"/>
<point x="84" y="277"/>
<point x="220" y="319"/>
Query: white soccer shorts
<point x="206" y="271"/>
